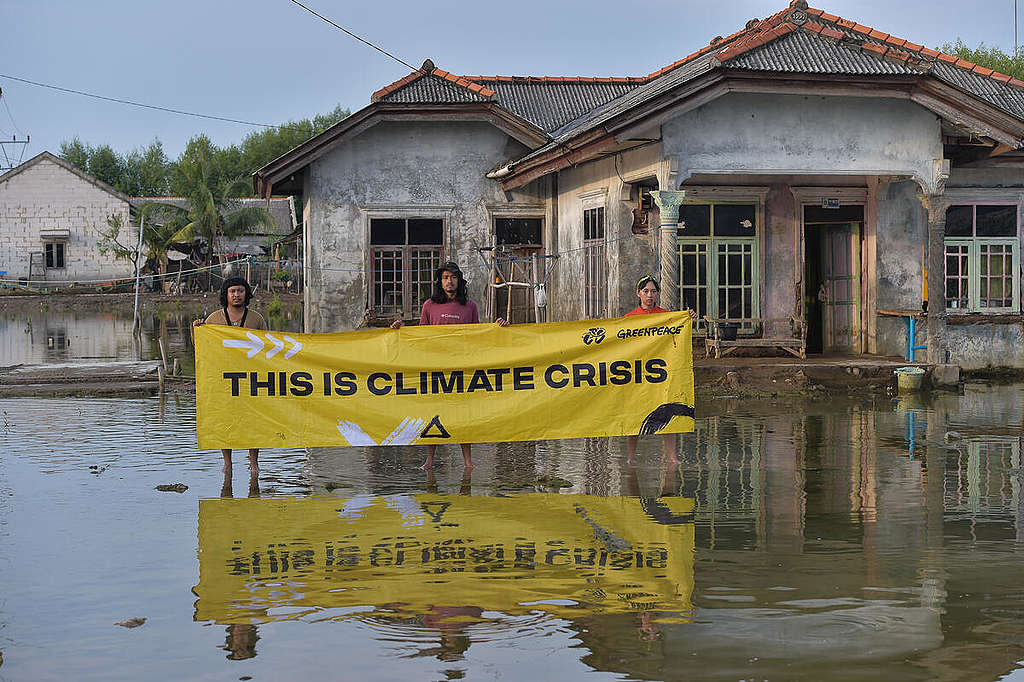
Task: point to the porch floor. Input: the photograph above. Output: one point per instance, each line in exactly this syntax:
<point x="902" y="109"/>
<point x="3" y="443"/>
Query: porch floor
<point x="812" y="361"/>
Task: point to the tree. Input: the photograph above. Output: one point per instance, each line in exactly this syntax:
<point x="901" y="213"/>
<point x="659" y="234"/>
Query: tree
<point x="76" y="153"/>
<point x="156" y="239"/>
<point x="209" y="212"/>
<point x="989" y="57"/>
<point x="106" y="165"/>
<point x="145" y="171"/>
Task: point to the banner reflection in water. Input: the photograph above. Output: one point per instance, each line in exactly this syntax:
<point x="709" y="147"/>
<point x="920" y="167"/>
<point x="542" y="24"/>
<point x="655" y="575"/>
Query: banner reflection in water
<point x="262" y="560"/>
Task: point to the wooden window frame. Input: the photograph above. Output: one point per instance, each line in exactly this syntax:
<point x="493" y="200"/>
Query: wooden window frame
<point x="969" y="251"/>
<point x="59" y="254"/>
<point x="408" y="272"/>
<point x="595" y="262"/>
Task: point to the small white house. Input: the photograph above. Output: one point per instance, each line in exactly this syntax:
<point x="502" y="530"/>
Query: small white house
<point x="52" y="216"/>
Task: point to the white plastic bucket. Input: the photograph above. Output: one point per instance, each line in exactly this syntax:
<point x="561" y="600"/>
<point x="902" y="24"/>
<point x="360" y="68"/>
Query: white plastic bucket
<point x="909" y="379"/>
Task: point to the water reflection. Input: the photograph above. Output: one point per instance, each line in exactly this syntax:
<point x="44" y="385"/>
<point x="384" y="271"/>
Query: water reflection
<point x="791" y="541"/>
<point x="49" y="333"/>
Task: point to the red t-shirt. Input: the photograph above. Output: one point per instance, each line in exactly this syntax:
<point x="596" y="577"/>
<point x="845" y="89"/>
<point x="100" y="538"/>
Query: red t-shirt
<point x="639" y="310"/>
<point x="449" y="312"/>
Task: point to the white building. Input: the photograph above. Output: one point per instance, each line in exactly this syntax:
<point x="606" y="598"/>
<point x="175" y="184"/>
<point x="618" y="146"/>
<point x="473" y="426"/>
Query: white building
<point x="51" y="217"/>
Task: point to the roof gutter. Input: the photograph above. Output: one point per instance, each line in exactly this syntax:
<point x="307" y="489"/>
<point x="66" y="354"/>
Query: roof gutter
<point x="501" y="172"/>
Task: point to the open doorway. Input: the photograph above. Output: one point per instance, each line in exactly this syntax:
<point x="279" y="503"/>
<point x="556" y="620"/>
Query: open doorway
<point x="832" y="306"/>
<point x="519" y="239"/>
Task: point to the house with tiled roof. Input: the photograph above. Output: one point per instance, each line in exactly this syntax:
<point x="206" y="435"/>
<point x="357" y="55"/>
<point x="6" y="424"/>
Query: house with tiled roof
<point x="805" y="166"/>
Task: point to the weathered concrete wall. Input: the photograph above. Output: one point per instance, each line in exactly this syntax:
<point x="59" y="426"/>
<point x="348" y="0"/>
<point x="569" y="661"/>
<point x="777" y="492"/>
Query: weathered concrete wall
<point x="408" y="169"/>
<point x="48" y="197"/>
<point x="604" y="183"/>
<point x="899" y="265"/>
<point x="973" y="343"/>
<point x="743" y="132"/>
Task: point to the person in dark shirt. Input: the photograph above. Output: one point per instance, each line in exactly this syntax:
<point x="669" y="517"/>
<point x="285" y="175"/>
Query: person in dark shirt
<point x="449" y="304"/>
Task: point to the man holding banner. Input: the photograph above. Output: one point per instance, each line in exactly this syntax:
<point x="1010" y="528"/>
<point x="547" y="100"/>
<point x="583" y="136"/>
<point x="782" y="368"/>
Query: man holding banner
<point x="449" y="304"/>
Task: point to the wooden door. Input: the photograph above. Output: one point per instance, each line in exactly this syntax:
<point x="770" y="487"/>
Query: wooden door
<point x="840" y="259"/>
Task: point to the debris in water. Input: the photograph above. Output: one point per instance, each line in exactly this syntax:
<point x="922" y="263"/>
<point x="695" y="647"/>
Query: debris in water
<point x="172" y="487"/>
<point x="953" y="435"/>
<point x="554" y="482"/>
<point x="131" y="622"/>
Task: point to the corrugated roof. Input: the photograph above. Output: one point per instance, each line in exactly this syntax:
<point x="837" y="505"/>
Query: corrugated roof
<point x="1006" y="97"/>
<point x="431" y="89"/>
<point x="801" y="52"/>
<point x="551" y="104"/>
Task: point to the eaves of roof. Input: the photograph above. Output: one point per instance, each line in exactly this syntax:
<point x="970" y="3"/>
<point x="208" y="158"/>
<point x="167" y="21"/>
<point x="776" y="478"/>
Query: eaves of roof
<point x="47" y="156"/>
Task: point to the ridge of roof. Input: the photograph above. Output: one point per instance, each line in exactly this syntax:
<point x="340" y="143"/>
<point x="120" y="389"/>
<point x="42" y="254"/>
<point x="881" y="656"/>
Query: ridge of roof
<point x="892" y="46"/>
<point x="428" y="69"/>
<point x="559" y="79"/>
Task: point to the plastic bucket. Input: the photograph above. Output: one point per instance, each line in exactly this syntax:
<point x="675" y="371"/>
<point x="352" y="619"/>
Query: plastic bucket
<point x="909" y="379"/>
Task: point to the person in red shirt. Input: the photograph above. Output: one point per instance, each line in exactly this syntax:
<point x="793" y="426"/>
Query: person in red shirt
<point x="449" y="304"/>
<point x="647" y="291"/>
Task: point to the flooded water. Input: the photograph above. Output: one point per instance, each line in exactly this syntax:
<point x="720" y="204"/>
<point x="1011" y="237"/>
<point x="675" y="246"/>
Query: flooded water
<point x="854" y="540"/>
<point x="39" y="333"/>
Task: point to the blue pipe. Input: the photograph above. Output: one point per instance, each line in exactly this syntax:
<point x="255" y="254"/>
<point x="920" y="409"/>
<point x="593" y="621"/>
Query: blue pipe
<point x="911" y="325"/>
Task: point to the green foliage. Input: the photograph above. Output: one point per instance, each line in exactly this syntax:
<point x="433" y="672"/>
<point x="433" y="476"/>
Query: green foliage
<point x="275" y="307"/>
<point x="989" y="57"/>
<point x="209" y="212"/>
<point x="148" y="172"/>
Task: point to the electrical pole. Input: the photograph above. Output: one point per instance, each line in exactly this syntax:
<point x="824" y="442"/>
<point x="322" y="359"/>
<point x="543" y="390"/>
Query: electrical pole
<point x="5" y="163"/>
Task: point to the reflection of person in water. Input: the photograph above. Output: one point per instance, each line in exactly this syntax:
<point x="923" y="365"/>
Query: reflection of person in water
<point x="450" y="623"/>
<point x="240" y="642"/>
<point x="227" y="491"/>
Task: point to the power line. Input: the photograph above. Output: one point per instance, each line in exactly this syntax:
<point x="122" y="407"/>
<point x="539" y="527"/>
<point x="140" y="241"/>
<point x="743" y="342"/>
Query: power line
<point x="362" y="40"/>
<point x="140" y="104"/>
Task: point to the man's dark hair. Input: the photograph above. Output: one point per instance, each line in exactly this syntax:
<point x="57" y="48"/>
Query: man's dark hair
<point x="439" y="295"/>
<point x="234" y="282"/>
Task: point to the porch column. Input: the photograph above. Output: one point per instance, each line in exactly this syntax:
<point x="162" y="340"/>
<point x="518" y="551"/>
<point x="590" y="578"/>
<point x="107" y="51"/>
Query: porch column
<point x="668" y="202"/>
<point x="935" y="206"/>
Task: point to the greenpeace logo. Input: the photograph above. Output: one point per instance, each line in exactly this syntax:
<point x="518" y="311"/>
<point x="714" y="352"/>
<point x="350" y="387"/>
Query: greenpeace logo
<point x="594" y="335"/>
<point x="648" y="331"/>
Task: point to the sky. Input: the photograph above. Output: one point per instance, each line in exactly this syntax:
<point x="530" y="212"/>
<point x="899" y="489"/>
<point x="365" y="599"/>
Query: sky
<point x="270" y="61"/>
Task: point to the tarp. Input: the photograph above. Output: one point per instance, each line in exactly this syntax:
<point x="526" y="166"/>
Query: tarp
<point x="282" y="558"/>
<point x="444" y="384"/>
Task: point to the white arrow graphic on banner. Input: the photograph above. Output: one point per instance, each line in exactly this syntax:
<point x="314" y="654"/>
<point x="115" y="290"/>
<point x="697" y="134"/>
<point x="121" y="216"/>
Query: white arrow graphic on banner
<point x="296" y="347"/>
<point x="278" y="346"/>
<point x="255" y="345"/>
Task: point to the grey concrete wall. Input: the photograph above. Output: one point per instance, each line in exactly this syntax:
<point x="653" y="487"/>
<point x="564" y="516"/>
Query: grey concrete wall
<point x="408" y="169"/>
<point x="744" y="132"/>
<point x="899" y="266"/>
<point x="629" y="256"/>
<point x="47" y="196"/>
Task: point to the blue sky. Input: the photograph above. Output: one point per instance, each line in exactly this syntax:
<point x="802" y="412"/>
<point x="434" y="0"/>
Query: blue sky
<point x="270" y="61"/>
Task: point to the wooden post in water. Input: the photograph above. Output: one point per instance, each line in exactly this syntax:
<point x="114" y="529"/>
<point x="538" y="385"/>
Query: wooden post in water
<point x="163" y="352"/>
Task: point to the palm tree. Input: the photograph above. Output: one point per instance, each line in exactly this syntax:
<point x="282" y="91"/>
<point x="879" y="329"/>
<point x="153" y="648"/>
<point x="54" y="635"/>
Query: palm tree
<point x="210" y="210"/>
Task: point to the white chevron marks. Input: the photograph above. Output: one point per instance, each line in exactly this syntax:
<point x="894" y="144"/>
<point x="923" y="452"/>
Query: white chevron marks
<point x="255" y="345"/>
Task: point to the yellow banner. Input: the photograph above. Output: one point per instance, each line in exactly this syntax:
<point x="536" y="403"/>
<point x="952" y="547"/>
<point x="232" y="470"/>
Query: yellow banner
<point x="433" y="385"/>
<point x="282" y="558"/>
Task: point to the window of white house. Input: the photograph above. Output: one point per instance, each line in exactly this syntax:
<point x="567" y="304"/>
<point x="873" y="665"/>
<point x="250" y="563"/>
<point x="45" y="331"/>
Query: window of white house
<point x="53" y="254"/>
<point x="718" y="260"/>
<point x="982" y="258"/>
<point x="404" y="252"/>
<point x="595" y="278"/>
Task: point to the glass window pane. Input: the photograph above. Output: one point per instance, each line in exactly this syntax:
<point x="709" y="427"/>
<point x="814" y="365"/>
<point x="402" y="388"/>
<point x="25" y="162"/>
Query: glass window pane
<point x="518" y="231"/>
<point x="387" y="231"/>
<point x="960" y="221"/>
<point x="997" y="221"/>
<point x="694" y="220"/>
<point x="426" y="231"/>
<point x="735" y="220"/>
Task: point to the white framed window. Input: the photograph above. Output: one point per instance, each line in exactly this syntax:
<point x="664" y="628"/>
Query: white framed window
<point x="983" y="258"/>
<point x="54" y="253"/>
<point x="404" y="253"/>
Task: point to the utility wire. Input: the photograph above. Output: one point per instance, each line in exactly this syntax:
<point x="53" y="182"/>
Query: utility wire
<point x="362" y="40"/>
<point x="140" y="104"/>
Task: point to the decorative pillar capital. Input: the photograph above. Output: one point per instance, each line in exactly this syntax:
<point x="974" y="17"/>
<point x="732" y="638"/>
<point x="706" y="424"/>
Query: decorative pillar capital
<point x="668" y="203"/>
